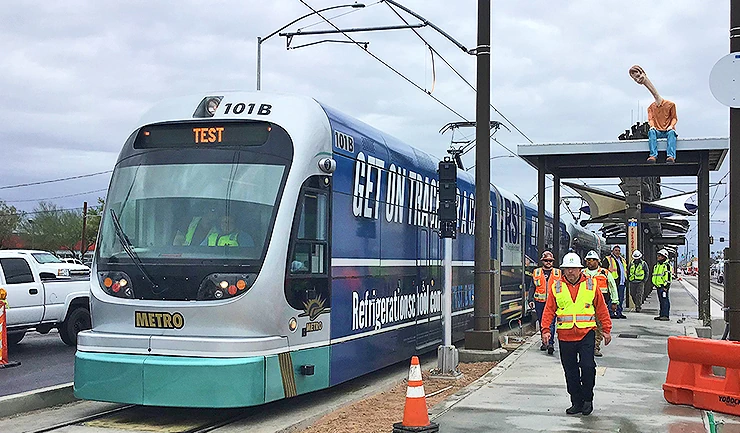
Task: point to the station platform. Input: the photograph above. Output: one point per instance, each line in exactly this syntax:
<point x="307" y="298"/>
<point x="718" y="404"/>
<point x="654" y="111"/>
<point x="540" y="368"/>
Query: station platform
<point x="527" y="393"/>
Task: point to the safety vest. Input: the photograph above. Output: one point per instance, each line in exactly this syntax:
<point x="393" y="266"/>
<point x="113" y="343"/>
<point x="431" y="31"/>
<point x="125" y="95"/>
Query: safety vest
<point x="661" y="274"/>
<point x="540" y="285"/>
<point x="191" y="230"/>
<point x="580" y="313"/>
<point x="222" y="241"/>
<point x="637" y="272"/>
<point x="602" y="282"/>
<point x="613" y="269"/>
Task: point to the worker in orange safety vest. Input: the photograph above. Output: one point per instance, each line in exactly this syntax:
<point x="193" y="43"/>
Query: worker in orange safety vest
<point x="576" y="303"/>
<point x="542" y="279"/>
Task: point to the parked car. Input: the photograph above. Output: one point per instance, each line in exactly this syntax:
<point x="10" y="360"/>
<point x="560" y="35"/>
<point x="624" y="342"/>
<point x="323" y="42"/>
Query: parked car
<point x="48" y="262"/>
<point x="73" y="261"/>
<point x="42" y="298"/>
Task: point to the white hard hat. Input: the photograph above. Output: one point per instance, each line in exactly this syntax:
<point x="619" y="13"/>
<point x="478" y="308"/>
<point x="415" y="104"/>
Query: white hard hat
<point x="593" y="255"/>
<point x="637" y="254"/>
<point x="663" y="252"/>
<point x="571" y="260"/>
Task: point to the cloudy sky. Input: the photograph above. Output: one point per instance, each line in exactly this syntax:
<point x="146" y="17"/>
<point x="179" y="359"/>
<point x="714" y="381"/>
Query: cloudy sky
<point x="76" y="76"/>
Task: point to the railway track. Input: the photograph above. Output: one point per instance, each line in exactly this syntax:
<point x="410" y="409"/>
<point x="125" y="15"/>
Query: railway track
<point x="716" y="292"/>
<point x="133" y="416"/>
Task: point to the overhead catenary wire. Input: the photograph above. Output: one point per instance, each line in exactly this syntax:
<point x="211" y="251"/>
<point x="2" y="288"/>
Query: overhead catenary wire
<point x="405" y="78"/>
<point x="56" y="197"/>
<point x="396" y="71"/>
<point x="62" y="179"/>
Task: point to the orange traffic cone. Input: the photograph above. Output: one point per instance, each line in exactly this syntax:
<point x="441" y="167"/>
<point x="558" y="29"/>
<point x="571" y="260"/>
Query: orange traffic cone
<point x="415" y="416"/>
<point x="4" y="362"/>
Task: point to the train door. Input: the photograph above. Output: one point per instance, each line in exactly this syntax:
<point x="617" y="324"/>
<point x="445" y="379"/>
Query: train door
<point x="307" y="278"/>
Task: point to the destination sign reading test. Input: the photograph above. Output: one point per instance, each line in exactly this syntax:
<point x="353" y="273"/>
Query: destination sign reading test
<point x="197" y="134"/>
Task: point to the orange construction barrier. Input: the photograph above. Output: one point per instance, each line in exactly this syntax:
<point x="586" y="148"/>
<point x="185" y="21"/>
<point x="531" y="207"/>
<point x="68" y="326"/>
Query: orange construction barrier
<point x="415" y="416"/>
<point x="691" y="379"/>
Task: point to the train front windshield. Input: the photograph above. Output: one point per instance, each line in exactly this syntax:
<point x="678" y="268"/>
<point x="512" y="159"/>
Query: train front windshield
<point x="192" y="211"/>
<point x="182" y="211"/>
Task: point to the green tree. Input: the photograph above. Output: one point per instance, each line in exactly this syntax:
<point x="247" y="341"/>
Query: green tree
<point x="50" y="228"/>
<point x="94" y="214"/>
<point x="9" y="221"/>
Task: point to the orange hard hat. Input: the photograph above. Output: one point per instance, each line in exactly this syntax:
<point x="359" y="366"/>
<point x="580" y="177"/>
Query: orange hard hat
<point x="547" y="255"/>
<point x="3" y="294"/>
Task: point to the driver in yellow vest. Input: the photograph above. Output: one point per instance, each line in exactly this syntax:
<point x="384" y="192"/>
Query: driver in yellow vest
<point x="198" y="229"/>
<point x="228" y="235"/>
<point x="542" y="279"/>
<point x="575" y="302"/>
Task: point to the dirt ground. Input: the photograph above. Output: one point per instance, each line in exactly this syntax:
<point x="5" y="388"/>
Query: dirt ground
<point x="379" y="412"/>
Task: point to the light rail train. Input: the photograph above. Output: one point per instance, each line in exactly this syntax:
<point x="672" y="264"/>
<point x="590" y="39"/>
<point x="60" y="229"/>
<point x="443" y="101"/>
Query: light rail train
<point x="257" y="246"/>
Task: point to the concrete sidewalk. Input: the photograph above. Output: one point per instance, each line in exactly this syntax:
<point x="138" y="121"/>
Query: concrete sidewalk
<point x="529" y="395"/>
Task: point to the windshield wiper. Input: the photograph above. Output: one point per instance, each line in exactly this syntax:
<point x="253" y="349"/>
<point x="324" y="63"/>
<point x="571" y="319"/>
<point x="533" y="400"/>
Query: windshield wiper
<point x="128" y="246"/>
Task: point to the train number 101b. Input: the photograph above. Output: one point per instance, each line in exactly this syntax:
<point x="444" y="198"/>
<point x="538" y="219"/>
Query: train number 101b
<point x="238" y="108"/>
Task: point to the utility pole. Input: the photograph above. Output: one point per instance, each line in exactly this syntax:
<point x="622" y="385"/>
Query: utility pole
<point x="482" y="337"/>
<point x="732" y="254"/>
<point x="83" y="244"/>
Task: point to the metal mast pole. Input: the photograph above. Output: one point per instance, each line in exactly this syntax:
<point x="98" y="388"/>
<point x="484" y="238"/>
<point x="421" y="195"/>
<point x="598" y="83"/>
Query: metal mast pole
<point x="259" y="61"/>
<point x="732" y="290"/>
<point x="703" y="240"/>
<point x="482" y="337"/>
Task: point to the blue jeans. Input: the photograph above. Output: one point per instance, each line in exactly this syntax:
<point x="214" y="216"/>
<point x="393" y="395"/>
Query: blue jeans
<point x="621" y="289"/>
<point x="654" y="135"/>
<point x="540" y="308"/>
<point x="665" y="302"/>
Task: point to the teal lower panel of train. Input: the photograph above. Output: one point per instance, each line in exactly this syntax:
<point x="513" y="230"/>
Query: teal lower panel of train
<point x="199" y="382"/>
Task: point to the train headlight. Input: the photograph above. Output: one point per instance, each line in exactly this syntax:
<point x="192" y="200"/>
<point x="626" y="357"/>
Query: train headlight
<point x="224" y="286"/>
<point x="207" y="106"/>
<point x="116" y="284"/>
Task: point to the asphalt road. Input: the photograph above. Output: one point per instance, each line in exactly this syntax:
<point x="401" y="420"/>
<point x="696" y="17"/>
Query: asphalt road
<point x="45" y="361"/>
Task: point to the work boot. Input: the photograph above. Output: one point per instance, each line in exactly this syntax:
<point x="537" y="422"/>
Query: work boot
<point x="638" y="309"/>
<point x="575" y="409"/>
<point x="543" y="347"/>
<point x="662" y="318"/>
<point x="670" y="160"/>
<point x="550" y="349"/>
<point x="588" y="407"/>
<point x="597" y="352"/>
<point x="652" y="159"/>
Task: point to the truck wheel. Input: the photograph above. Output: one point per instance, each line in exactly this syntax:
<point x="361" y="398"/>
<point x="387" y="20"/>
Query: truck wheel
<point x="15" y="337"/>
<point x="78" y="320"/>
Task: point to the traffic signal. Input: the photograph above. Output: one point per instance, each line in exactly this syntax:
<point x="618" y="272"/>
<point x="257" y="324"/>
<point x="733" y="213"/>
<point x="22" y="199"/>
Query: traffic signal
<point x="447" y="211"/>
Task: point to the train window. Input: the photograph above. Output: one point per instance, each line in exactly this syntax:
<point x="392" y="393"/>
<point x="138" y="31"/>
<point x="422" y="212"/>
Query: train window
<point x="307" y="277"/>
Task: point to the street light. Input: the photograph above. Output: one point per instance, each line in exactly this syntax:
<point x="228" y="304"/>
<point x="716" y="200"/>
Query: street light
<point x="261" y="39"/>
<point x="491" y="159"/>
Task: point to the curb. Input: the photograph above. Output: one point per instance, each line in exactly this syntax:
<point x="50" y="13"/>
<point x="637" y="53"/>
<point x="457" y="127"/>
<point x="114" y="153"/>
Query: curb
<point x="15" y="404"/>
<point x="447" y="404"/>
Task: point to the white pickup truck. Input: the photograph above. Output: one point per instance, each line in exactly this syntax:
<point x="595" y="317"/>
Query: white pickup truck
<point x="40" y="299"/>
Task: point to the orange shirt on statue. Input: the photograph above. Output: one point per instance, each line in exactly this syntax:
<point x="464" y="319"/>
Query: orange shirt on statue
<point x="662" y="116"/>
